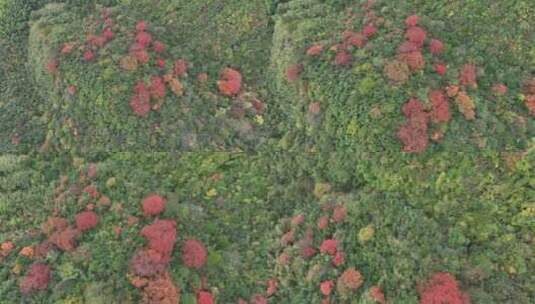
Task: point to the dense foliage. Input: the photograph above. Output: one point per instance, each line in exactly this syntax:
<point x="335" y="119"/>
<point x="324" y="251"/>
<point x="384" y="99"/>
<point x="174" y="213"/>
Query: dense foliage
<point x="389" y="151"/>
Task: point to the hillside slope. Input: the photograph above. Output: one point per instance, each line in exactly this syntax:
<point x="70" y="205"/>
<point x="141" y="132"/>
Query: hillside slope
<point x="267" y="151"/>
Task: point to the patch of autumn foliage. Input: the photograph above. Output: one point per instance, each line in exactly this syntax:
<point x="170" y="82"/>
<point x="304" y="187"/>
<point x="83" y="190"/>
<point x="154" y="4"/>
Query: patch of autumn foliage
<point x="36" y="279"/>
<point x="194" y="254"/>
<point x="349" y="281"/>
<point x="153" y="205"/>
<point x="161" y="236"/>
<point x="229" y="83"/>
<point x="442" y="288"/>
<point x="329" y="247"/>
<point x="147" y="262"/>
<point x="60" y="233"/>
<point x="466" y="105"/>
<point x="140" y="102"/>
<point x="86" y="220"/>
<point x="293" y="72"/>
<point x="315" y="50"/>
<point x="377" y="295"/>
<point x="350" y="39"/>
<point x="440" y="68"/>
<point x="149" y="265"/>
<point x="298" y="240"/>
<point x="65" y="239"/>
<point x="161" y="290"/>
<point x="441" y="110"/>
<point x="468" y="76"/>
<point x="180" y="68"/>
<point x="413" y="134"/>
<point x="205" y="297"/>
<point x="410" y="52"/>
